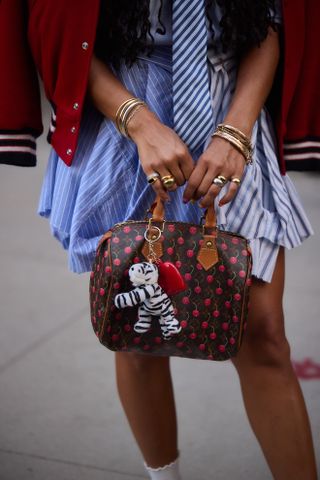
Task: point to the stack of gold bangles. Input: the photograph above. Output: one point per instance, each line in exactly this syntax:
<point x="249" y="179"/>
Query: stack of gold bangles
<point x="238" y="139"/>
<point x="125" y="113"/>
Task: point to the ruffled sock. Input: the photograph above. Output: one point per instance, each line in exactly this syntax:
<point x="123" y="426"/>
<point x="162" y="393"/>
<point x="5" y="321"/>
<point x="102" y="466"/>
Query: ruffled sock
<point x="167" y="472"/>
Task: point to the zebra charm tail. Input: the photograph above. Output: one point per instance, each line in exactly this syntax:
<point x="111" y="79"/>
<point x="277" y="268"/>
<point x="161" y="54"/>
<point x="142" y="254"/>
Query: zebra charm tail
<point x="152" y="300"/>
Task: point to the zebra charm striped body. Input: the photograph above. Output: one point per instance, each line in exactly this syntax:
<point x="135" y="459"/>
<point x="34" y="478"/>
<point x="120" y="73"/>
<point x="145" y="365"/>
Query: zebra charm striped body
<point x="152" y="300"/>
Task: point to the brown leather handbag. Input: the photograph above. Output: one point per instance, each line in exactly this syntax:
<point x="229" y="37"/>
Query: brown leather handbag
<point x="171" y="288"/>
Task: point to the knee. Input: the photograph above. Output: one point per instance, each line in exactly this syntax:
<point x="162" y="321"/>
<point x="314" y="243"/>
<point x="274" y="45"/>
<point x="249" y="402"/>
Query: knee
<point x="141" y="365"/>
<point x="265" y="342"/>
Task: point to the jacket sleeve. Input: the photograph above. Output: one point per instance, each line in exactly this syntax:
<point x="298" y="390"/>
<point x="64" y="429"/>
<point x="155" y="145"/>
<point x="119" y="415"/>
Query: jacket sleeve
<point x="20" y="108"/>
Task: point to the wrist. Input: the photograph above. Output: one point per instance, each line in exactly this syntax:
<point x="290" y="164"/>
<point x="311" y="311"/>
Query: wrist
<point x="139" y="122"/>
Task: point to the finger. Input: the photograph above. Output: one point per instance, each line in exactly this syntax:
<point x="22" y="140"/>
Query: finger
<point x="187" y="165"/>
<point x="210" y="196"/>
<point x="178" y="174"/>
<point x="194" y="182"/>
<point x="158" y="186"/>
<point x="232" y="191"/>
<point x="164" y="172"/>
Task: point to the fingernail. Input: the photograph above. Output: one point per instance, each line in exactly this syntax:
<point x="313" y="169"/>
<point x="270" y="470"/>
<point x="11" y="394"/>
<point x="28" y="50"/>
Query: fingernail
<point x="185" y="200"/>
<point x="220" y="204"/>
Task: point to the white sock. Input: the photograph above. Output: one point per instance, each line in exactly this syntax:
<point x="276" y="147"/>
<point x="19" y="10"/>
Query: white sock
<point x="167" y="472"/>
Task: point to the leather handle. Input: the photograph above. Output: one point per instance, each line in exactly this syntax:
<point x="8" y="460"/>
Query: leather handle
<point x="158" y="213"/>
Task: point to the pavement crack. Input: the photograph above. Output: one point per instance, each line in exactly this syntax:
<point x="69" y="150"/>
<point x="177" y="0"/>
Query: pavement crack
<point x="71" y="463"/>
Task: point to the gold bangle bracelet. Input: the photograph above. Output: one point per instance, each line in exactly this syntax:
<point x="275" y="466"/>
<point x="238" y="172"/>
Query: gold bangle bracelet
<point x="128" y="113"/>
<point x="237" y="144"/>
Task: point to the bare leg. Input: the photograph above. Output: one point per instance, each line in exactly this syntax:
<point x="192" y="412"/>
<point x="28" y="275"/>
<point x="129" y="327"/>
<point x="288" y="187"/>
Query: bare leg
<point x="271" y="392"/>
<point x="146" y="393"/>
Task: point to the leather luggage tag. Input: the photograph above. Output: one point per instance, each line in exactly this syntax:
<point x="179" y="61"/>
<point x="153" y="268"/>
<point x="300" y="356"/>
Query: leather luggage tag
<point x="208" y="253"/>
<point x="157" y="247"/>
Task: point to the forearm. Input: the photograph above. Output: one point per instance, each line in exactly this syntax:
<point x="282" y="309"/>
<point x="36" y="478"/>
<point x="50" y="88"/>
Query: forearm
<point x="255" y="77"/>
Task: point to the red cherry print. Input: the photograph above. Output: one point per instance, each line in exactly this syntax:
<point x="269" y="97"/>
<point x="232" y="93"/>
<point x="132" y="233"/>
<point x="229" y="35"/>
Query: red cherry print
<point x="175" y="311"/>
<point x="235" y="240"/>
<point x="116" y="285"/>
<point x="116" y="240"/>
<point x="233" y="260"/>
<point x="222" y="268"/>
<point x="126" y="229"/>
<point x="139" y="238"/>
<point x="127" y="327"/>
<point x="102" y="292"/>
<point x="108" y="328"/>
<point x="235" y="319"/>
<point x="207" y="302"/>
<point x="185" y="300"/>
<point x="202" y="347"/>
<point x="201" y="242"/>
<point x="227" y="304"/>
<point x="210" y="278"/>
<point x="232" y="341"/>
<point x="178" y="264"/>
<point x="188" y="277"/>
<point x="106" y="254"/>
<point x="213" y="335"/>
<point x="221" y="348"/>
<point x="193" y="335"/>
<point x="244" y="253"/>
<point x="94" y="320"/>
<point x="126" y="272"/>
<point x="117" y="261"/>
<point x="146" y="347"/>
<point x="108" y="269"/>
<point x="91" y="275"/>
<point x="136" y="340"/>
<point x="99" y="313"/>
<point x="199" y="266"/>
<point x="210" y="357"/>
<point x="170" y="251"/>
<point x="192" y="230"/>
<point x="204" y="325"/>
<point x="216" y="313"/>
<point x="115" y="337"/>
<point x="184" y="323"/>
<point x="179" y="344"/>
<point x="242" y="273"/>
<point x="136" y="260"/>
<point x="225" y="326"/>
<point x="158" y="340"/>
<point x="224" y="246"/>
<point x="195" y="313"/>
<point x="118" y="316"/>
<point x="97" y="333"/>
<point x="219" y="291"/>
<point x="237" y="296"/>
<point x="171" y="228"/>
<point x="180" y="241"/>
<point x="197" y="289"/>
<point x="249" y="282"/>
<point x="128" y="250"/>
<point x="93" y="289"/>
<point x="190" y="253"/>
<point x="230" y="282"/>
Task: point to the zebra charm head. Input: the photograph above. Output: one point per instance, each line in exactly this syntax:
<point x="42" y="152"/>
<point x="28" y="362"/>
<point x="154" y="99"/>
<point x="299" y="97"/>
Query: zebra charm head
<point x="143" y="274"/>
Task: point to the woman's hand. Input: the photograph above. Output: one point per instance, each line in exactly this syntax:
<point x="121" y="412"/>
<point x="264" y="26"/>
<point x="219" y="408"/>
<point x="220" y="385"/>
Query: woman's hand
<point x="160" y="150"/>
<point x="220" y="158"/>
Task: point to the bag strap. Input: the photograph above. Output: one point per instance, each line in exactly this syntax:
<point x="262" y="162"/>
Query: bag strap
<point x="158" y="214"/>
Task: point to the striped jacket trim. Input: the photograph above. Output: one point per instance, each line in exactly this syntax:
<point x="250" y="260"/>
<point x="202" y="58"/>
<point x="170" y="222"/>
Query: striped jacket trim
<point x="303" y="154"/>
<point x="18" y="148"/>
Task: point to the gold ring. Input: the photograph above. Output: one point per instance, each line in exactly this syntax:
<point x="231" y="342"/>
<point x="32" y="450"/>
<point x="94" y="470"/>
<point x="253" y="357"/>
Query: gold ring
<point x="153" y="177"/>
<point x="235" y="180"/>
<point x="168" y="181"/>
<point x="222" y="178"/>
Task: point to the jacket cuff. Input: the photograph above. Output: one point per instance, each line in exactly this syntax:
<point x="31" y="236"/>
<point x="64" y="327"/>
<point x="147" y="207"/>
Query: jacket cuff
<point x="18" y="148"/>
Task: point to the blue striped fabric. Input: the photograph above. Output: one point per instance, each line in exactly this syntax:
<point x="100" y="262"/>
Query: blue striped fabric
<point x="192" y="112"/>
<point x="106" y="184"/>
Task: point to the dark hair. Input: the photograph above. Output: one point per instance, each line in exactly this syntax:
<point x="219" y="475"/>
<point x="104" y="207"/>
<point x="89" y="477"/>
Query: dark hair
<point x="124" y="26"/>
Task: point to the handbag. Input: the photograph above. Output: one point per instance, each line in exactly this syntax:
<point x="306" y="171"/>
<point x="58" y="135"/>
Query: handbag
<point x="171" y="288"/>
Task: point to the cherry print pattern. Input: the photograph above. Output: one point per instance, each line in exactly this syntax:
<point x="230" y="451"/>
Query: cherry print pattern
<point x="212" y="309"/>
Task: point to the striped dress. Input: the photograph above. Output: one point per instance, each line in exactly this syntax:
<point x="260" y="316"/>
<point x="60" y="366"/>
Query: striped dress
<point x="106" y="183"/>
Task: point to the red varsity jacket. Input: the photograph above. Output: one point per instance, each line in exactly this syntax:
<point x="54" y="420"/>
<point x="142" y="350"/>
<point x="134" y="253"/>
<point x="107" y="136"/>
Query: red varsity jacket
<point x="56" y="38"/>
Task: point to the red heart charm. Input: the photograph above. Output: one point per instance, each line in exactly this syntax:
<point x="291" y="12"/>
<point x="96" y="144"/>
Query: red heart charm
<point x="170" y="278"/>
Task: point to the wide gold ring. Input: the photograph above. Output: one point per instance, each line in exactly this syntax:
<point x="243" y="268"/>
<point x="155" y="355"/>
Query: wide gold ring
<point x="218" y="182"/>
<point x="168" y="181"/>
<point x="235" y="180"/>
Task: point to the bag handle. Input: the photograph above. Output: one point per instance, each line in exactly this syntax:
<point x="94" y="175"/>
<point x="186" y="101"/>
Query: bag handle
<point x="158" y="213"/>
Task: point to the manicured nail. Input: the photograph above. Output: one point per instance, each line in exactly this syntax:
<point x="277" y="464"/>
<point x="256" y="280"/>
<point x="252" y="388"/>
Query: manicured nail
<point x="185" y="200"/>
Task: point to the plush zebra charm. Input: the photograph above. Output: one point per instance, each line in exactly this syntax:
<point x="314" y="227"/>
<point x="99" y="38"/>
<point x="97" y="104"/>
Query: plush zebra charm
<point x="152" y="300"/>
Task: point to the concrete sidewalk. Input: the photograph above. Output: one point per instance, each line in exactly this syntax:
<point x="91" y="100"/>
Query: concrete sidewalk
<point x="59" y="411"/>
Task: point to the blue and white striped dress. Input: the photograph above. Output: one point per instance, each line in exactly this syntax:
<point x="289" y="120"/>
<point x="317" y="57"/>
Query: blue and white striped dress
<point x="106" y="183"/>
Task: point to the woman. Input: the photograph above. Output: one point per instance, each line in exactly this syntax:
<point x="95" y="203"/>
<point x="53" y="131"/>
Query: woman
<point x="84" y="200"/>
